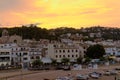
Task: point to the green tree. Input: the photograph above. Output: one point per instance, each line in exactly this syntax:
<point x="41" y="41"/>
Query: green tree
<point x="37" y="62"/>
<point x="95" y="51"/>
<point x="79" y="60"/>
<point x="7" y="65"/>
<point x="87" y="60"/>
<point x="104" y="59"/>
<point x="65" y="60"/>
<point x="54" y="62"/>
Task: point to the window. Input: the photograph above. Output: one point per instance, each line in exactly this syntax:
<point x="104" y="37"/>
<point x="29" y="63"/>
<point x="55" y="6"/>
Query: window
<point x="84" y="51"/>
<point x="72" y="50"/>
<point x="68" y="51"/>
<point x="25" y="58"/>
<point x="76" y="55"/>
<point x="59" y="56"/>
<point x="56" y="56"/>
<point x="7" y="53"/>
<point x="68" y="55"/>
<point x="63" y="51"/>
<point x="15" y="41"/>
<point x="60" y="51"/>
<point x="63" y="55"/>
<point x="79" y="51"/>
<point x="2" y="53"/>
<point x="21" y="49"/>
<point x="72" y="55"/>
<point x="56" y="51"/>
<point x="80" y="56"/>
<point x="84" y="47"/>
<point x="24" y="53"/>
<point x="20" y="54"/>
<point x="113" y="53"/>
<point x="32" y="57"/>
<point x="55" y="46"/>
<point x="76" y="50"/>
<point x="37" y="57"/>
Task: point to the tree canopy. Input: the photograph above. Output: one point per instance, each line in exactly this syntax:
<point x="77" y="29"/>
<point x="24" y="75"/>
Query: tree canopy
<point x="95" y="51"/>
<point x="65" y="60"/>
<point x="33" y="31"/>
<point x="37" y="63"/>
<point x="79" y="60"/>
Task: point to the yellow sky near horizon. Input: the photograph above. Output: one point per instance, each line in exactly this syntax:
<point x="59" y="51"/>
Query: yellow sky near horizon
<point x="60" y="13"/>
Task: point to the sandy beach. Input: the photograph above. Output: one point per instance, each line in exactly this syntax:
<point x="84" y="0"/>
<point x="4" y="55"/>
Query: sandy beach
<point x="53" y="74"/>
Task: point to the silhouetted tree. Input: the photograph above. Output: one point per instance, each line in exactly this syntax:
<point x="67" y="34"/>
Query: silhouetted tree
<point x="95" y="51"/>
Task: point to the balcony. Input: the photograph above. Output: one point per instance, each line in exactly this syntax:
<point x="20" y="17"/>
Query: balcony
<point x="4" y="60"/>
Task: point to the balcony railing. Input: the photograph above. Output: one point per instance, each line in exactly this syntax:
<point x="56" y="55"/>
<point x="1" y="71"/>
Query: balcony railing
<point x="4" y="60"/>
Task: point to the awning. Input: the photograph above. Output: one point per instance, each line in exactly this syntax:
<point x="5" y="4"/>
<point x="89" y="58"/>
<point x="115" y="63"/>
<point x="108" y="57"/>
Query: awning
<point x="59" y="60"/>
<point x="46" y="60"/>
<point x="72" y="60"/>
<point x="112" y="57"/>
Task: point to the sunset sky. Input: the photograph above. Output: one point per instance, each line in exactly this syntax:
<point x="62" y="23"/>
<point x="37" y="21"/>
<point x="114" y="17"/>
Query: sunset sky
<point x="59" y="13"/>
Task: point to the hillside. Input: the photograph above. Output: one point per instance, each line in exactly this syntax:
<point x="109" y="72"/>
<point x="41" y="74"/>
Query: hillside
<point x="53" y="34"/>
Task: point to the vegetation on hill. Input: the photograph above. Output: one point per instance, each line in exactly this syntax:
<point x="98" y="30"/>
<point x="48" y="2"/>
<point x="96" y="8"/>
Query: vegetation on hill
<point x="53" y="34"/>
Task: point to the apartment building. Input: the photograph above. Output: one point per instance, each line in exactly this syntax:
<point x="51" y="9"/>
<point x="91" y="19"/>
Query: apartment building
<point x="5" y="55"/>
<point x="59" y="51"/>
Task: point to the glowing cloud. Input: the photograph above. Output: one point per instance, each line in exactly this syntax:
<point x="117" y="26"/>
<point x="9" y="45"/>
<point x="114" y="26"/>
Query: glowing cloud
<point x="57" y="13"/>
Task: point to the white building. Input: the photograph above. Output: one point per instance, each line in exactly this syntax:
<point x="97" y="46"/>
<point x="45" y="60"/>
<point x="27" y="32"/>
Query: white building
<point x="5" y="55"/>
<point x="59" y="51"/>
<point x="20" y="56"/>
<point x="111" y="50"/>
<point x="16" y="55"/>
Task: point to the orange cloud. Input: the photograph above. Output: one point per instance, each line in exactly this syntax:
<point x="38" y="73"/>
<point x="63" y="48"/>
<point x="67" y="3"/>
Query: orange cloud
<point x="57" y="13"/>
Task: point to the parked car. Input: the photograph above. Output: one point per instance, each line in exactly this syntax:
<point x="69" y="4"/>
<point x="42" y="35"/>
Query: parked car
<point x="110" y="72"/>
<point x="59" y="67"/>
<point x="64" y="78"/>
<point x="46" y="68"/>
<point x="66" y="68"/>
<point x="118" y="69"/>
<point x="107" y="73"/>
<point x="95" y="75"/>
<point x="82" y="77"/>
<point x="113" y="72"/>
